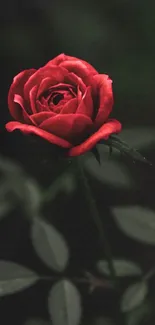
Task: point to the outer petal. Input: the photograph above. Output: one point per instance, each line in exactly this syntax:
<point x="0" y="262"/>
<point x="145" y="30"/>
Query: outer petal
<point x="17" y="88"/>
<point x="57" y="75"/>
<point x="68" y="126"/>
<point x="58" y="60"/>
<point x="20" y="107"/>
<point x="27" y="129"/>
<point x="82" y="70"/>
<point x="112" y="126"/>
<point x="102" y="92"/>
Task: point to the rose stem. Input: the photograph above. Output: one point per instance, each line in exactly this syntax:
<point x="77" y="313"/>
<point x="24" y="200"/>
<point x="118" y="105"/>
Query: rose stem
<point x="96" y="218"/>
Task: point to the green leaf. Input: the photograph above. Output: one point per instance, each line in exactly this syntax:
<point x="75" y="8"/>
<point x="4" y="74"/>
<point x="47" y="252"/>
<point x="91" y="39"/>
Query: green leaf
<point x="32" y="198"/>
<point x="16" y="188"/>
<point x="122" y="268"/>
<point x="137" y="222"/>
<point x="134" y="296"/>
<point x="125" y="149"/>
<point x="14" y="278"/>
<point x="37" y="321"/>
<point x="65" y="183"/>
<point x="103" y="321"/>
<point x="6" y="203"/>
<point x="140" y="137"/>
<point x="96" y="154"/>
<point x="49" y="245"/>
<point x="137" y="315"/>
<point x="64" y="304"/>
<point x="110" y="171"/>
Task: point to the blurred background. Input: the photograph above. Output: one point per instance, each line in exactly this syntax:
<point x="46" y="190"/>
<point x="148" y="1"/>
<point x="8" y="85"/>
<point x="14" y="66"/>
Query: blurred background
<point x="117" y="38"/>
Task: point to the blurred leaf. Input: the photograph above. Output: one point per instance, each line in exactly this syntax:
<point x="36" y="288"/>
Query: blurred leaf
<point x="64" y="304"/>
<point x="137" y="222"/>
<point x="32" y="198"/>
<point x="6" y="203"/>
<point x="16" y="188"/>
<point x="134" y="296"/>
<point x="64" y="183"/>
<point x="122" y="268"/>
<point x="68" y="183"/>
<point x="37" y="321"/>
<point x="103" y="321"/>
<point x="139" y="137"/>
<point x="136" y="316"/>
<point x="110" y="171"/>
<point x="50" y="245"/>
<point x="14" y="278"/>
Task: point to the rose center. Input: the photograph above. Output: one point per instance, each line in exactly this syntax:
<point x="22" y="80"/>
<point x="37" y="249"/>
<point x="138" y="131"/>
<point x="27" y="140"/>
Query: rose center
<point x="56" y="99"/>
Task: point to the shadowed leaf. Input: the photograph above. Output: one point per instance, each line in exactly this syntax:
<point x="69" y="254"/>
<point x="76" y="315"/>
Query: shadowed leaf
<point x="64" y="304"/>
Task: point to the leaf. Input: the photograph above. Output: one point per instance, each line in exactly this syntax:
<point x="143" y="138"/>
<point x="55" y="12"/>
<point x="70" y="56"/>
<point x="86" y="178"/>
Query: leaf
<point x="134" y="296"/>
<point x="96" y="154"/>
<point x="32" y="199"/>
<point x="103" y="321"/>
<point x="139" y="137"/>
<point x="6" y="204"/>
<point x="122" y="268"/>
<point x="49" y="244"/>
<point x="137" y="315"/>
<point x="64" y="183"/>
<point x="17" y="188"/>
<point x="68" y="183"/>
<point x="110" y="171"/>
<point x="37" y="321"/>
<point x="125" y="149"/>
<point x="137" y="222"/>
<point x="64" y="304"/>
<point x="14" y="277"/>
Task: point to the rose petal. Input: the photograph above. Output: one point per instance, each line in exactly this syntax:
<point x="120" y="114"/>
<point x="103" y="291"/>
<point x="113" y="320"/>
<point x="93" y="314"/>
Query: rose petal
<point x="86" y="105"/>
<point x="68" y="126"/>
<point x="44" y="85"/>
<point x="57" y="75"/>
<point x="102" y="87"/>
<point x="76" y="81"/>
<point x="80" y="69"/>
<point x="112" y="126"/>
<point x="17" y="88"/>
<point x="79" y="95"/>
<point x="58" y="60"/>
<point x="70" y="106"/>
<point x="27" y="129"/>
<point x="32" y="96"/>
<point x="22" y="113"/>
<point x="38" y="118"/>
<point x="42" y="107"/>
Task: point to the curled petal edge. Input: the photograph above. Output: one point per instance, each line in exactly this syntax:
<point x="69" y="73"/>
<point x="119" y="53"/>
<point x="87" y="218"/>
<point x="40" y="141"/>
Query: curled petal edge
<point x="27" y="129"/>
<point x="111" y="126"/>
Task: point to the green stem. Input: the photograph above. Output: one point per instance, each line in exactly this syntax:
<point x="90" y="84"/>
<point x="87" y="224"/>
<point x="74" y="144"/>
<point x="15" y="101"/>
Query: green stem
<point x="96" y="218"/>
<point x="148" y="275"/>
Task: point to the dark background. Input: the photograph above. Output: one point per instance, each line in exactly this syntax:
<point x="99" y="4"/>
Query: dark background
<point x="117" y="38"/>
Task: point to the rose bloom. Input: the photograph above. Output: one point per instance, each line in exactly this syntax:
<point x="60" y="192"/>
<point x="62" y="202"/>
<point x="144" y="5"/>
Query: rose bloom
<point x="66" y="102"/>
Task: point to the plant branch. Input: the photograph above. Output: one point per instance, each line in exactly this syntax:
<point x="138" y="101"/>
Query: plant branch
<point x="96" y="218"/>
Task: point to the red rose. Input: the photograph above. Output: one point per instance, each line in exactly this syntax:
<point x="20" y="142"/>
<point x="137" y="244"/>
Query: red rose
<point x="66" y="102"/>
